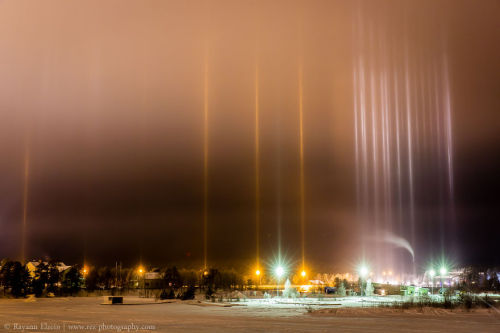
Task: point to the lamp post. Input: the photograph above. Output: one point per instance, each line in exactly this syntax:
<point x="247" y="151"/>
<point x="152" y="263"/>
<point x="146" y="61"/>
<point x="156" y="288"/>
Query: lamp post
<point x="141" y="274"/>
<point x="85" y="271"/>
<point x="432" y="273"/>
<point x="257" y="272"/>
<point x="442" y="272"/>
<point x="363" y="272"/>
<point x="279" y="273"/>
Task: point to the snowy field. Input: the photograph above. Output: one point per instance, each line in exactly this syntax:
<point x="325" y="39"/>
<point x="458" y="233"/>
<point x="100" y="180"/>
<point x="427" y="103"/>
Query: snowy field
<point x="352" y="315"/>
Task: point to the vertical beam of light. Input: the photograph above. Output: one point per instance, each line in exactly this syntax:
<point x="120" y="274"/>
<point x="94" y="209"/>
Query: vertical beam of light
<point x="205" y="157"/>
<point x="449" y="146"/>
<point x="386" y="141"/>
<point x="387" y="162"/>
<point x="447" y="110"/>
<point x="384" y="129"/>
<point x="356" y="133"/>
<point x="301" y="160"/>
<point x="374" y="136"/>
<point x="424" y="103"/>
<point x="355" y="93"/>
<point x="398" y="149"/>
<point x="364" y="138"/>
<point x="409" y="142"/>
<point x="279" y="214"/>
<point x="374" y="200"/>
<point x="409" y="146"/>
<point x="417" y="107"/>
<point x="144" y="90"/>
<point x="430" y="101"/>
<point x="437" y="113"/>
<point x="384" y="104"/>
<point x="25" y="203"/>
<point x="301" y="138"/>
<point x="257" y="166"/>
<point x="383" y="164"/>
<point x="361" y="126"/>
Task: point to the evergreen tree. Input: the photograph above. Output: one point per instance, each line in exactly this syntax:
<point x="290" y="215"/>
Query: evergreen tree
<point x="71" y="280"/>
<point x="105" y="277"/>
<point x="15" y="277"/>
<point x="91" y="280"/>
<point x="40" y="279"/>
<point x="53" y="277"/>
<point x="341" y="289"/>
<point x="172" y="278"/>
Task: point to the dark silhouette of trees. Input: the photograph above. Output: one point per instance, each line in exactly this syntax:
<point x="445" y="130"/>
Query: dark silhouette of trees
<point x="41" y="278"/>
<point x="172" y="282"/>
<point x="91" y="280"/>
<point x="53" y="278"/>
<point x="172" y="278"/>
<point x="105" y="277"/>
<point x="71" y="280"/>
<point x="15" y="278"/>
<point x="189" y="293"/>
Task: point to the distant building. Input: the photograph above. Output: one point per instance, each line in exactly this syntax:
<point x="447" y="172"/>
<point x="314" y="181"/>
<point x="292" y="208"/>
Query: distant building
<point x="32" y="266"/>
<point x="153" y="280"/>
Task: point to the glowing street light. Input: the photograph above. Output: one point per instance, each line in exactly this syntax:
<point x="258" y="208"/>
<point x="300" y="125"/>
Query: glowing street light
<point x="85" y="271"/>
<point x="303" y="273"/>
<point x="442" y="272"/>
<point x="279" y="271"/>
<point x="363" y="271"/>
<point x="140" y="270"/>
<point x="432" y="273"/>
<point x="257" y="274"/>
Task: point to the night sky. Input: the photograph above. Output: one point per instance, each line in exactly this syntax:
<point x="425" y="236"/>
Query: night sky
<point x="106" y="99"/>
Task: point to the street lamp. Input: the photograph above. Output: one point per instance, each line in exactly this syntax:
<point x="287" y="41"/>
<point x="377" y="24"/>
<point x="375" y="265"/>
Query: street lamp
<point x="279" y="273"/>
<point x="363" y="272"/>
<point x="140" y="270"/>
<point x="84" y="275"/>
<point x="442" y="272"/>
<point x="432" y="273"/>
<point x="257" y="273"/>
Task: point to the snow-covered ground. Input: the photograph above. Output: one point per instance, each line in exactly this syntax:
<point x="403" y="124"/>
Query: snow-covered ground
<point x="287" y="315"/>
<point x="321" y="302"/>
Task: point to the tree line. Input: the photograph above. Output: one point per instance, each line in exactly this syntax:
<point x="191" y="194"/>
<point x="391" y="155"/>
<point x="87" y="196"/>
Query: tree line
<point x="18" y="281"/>
<point x="49" y="279"/>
